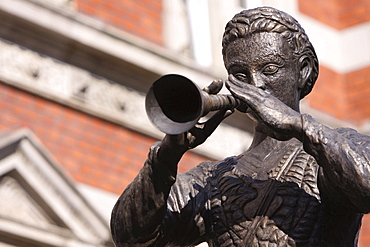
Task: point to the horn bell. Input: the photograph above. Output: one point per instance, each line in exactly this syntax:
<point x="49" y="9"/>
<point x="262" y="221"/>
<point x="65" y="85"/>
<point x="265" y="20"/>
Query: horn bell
<point x="174" y="104"/>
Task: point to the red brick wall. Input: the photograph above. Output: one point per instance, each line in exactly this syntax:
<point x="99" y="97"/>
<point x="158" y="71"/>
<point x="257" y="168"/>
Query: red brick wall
<point x="142" y="18"/>
<point x="337" y="13"/>
<point x="364" y="239"/>
<point x="344" y="96"/>
<point x="92" y="151"/>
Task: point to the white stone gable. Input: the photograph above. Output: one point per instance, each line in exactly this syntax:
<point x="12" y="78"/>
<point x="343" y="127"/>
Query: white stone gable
<point x="39" y="204"/>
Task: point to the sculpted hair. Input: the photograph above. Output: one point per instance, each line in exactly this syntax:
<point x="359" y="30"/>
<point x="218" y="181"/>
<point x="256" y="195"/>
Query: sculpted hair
<point x="267" y="19"/>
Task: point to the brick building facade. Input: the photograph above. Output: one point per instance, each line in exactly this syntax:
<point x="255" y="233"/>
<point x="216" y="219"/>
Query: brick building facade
<point x="75" y="73"/>
<point x="91" y="150"/>
<point x="347" y="95"/>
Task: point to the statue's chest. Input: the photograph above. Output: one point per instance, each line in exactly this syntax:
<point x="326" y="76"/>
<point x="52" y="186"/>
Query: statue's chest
<point x="283" y="207"/>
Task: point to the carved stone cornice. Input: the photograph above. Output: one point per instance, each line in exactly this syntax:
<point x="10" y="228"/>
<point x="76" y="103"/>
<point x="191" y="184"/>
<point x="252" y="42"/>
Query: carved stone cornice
<point x="80" y="89"/>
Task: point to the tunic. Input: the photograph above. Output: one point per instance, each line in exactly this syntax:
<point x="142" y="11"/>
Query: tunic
<point x="288" y="200"/>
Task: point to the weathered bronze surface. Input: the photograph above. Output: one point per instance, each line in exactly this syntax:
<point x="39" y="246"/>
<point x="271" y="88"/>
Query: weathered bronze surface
<point x="300" y="183"/>
<point x="175" y="104"/>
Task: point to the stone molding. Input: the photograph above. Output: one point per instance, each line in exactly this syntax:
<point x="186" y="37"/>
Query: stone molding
<point x="55" y="209"/>
<point x="97" y="96"/>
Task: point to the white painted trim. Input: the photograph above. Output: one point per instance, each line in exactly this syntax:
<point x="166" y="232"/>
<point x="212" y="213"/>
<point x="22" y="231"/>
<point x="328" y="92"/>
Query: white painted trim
<point x="199" y="24"/>
<point x="343" y="51"/>
<point x="175" y="26"/>
<point x="107" y="39"/>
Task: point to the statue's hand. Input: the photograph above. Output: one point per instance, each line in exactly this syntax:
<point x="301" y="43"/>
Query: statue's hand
<point x="274" y="117"/>
<point x="201" y="131"/>
<point x="197" y="135"/>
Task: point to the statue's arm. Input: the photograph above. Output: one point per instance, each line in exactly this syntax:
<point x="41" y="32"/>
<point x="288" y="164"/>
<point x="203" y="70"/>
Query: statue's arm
<point x="139" y="211"/>
<point x="344" y="155"/>
<point x="345" y="160"/>
<point x="155" y="210"/>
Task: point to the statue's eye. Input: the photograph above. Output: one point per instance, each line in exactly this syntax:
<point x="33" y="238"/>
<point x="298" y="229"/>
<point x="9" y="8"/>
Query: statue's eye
<point x="270" y="69"/>
<point x="241" y="77"/>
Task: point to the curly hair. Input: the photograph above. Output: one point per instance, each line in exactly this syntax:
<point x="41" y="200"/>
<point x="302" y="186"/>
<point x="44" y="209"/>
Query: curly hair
<point x="268" y="19"/>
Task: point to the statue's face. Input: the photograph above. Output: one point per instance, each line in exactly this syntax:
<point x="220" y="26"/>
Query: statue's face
<point x="266" y="61"/>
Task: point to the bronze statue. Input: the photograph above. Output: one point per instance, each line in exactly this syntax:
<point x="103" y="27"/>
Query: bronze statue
<point x="300" y="183"/>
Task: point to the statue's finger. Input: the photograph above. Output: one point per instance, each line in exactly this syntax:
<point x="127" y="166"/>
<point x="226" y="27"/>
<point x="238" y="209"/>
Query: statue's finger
<point x="215" y="87"/>
<point x="211" y="124"/>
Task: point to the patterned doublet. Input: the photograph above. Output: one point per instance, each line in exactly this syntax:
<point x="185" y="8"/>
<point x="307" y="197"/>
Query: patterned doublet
<point x="273" y="195"/>
<point x="283" y="210"/>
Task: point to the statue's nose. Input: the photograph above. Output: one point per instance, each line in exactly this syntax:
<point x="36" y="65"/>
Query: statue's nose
<point x="258" y="81"/>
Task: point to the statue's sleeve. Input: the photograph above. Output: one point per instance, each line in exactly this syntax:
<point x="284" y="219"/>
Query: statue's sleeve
<point x="156" y="210"/>
<point x="344" y="156"/>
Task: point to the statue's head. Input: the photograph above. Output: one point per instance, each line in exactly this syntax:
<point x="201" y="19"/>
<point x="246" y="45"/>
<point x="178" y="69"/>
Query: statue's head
<point x="270" y="20"/>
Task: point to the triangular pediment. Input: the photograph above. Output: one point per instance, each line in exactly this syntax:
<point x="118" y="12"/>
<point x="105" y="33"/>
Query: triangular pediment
<point x="40" y="205"/>
<point x="16" y="204"/>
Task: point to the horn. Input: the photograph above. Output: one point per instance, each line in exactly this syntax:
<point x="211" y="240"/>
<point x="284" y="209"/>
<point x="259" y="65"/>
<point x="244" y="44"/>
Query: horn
<point x="174" y="104"/>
